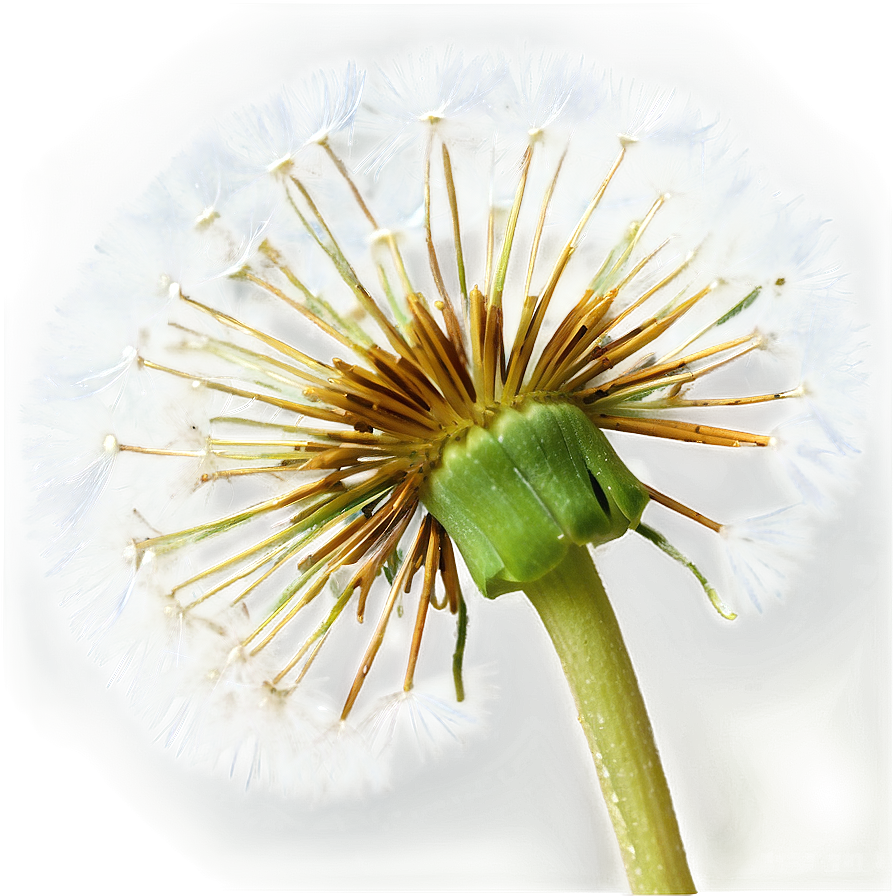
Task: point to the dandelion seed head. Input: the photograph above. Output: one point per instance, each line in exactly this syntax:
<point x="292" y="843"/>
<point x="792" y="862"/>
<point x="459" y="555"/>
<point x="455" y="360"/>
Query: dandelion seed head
<point x="251" y="471"/>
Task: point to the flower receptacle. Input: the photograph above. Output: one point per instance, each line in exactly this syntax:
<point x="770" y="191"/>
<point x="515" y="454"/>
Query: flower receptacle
<point x="515" y="496"/>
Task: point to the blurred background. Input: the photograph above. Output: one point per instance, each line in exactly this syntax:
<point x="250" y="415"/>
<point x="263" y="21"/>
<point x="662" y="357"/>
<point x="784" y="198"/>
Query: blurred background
<point x="775" y="731"/>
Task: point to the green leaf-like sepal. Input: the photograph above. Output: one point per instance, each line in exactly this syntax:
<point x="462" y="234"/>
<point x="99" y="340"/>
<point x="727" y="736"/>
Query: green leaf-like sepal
<point x="516" y="495"/>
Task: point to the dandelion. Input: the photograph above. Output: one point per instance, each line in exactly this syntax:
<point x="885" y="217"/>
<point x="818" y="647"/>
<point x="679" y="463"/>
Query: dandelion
<point x="406" y="329"/>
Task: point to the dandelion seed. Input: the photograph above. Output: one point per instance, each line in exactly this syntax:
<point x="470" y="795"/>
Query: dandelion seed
<point x="763" y="550"/>
<point x="434" y="723"/>
<point x="405" y="337"/>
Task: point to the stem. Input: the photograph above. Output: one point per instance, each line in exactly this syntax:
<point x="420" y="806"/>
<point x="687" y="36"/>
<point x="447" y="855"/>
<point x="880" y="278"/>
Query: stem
<point x="574" y="608"/>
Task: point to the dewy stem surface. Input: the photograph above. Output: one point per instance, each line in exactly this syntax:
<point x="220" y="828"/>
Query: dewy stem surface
<point x="574" y="608"/>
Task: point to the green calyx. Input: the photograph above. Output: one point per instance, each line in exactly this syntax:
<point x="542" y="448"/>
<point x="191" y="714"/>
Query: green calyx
<point x="516" y="495"/>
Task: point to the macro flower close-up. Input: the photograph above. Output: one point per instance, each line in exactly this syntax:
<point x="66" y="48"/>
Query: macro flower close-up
<point x="410" y="340"/>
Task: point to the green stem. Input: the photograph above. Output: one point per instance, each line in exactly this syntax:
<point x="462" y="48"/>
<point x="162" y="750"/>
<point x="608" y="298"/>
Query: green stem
<point x="573" y="605"/>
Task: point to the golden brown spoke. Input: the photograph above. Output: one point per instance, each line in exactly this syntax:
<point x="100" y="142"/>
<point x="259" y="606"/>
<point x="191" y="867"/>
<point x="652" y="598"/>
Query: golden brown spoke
<point x="490" y="223"/>
<point x="427" y="592"/>
<point x="363" y="579"/>
<point x="521" y="353"/>
<point x="448" y="570"/>
<point x="382" y="527"/>
<point x="337" y="458"/>
<point x="340" y="167"/>
<point x="280" y="538"/>
<point x="297" y="445"/>
<point x="572" y="243"/>
<point x="396" y="339"/>
<point x="285" y="457"/>
<point x="365" y="528"/>
<point x="284" y="428"/>
<point x="727" y="402"/>
<point x="586" y="360"/>
<point x="375" y="486"/>
<point x="295" y="407"/>
<point x="329" y="484"/>
<point x="278" y="345"/>
<point x="284" y="605"/>
<point x="496" y="292"/>
<point x="679" y="430"/>
<point x="398" y="342"/>
<point x="367" y="416"/>
<point x="477" y="335"/>
<point x="675" y="381"/>
<point x="375" y="386"/>
<point x="636" y="237"/>
<point x="384" y="243"/>
<point x="453" y="362"/>
<point x="309" y="565"/>
<point x="316" y="303"/>
<point x="455" y="220"/>
<point x="587" y="327"/>
<point x="347" y="272"/>
<point x="315" y="639"/>
<point x="276" y="541"/>
<point x="489" y="246"/>
<point x="359" y="588"/>
<point x="416" y="640"/>
<point x="653" y="290"/>
<point x="358" y="532"/>
<point x="657" y="374"/>
<point x="452" y="327"/>
<point x="330" y="330"/>
<point x="385" y="471"/>
<point x="400" y="582"/>
<point x="307" y="490"/>
<point x="248" y="471"/>
<point x="381" y="378"/>
<point x="745" y="302"/>
<point x="539" y="230"/>
<point x="162" y="452"/>
<point x="275" y="257"/>
<point x="683" y="509"/>
<point x="323" y="569"/>
<point x="332" y="436"/>
<point x="329" y="246"/>
<point x="386" y="467"/>
<point x="355" y="392"/>
<point x="410" y="379"/>
<point x="389" y="538"/>
<point x="536" y="319"/>
<point x="397" y="311"/>
<point x="448" y="370"/>
<point x="332" y="415"/>
<point x="366" y="442"/>
<point x="575" y="335"/>
<point x="493" y="352"/>
<point x="281" y="372"/>
<point x="608" y="356"/>
<point x="430" y="245"/>
<point x="248" y="570"/>
<point x="640" y="265"/>
<point x="383" y="383"/>
<point x="389" y="238"/>
<point x="270" y="541"/>
<point x="373" y="416"/>
<point x="374" y="440"/>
